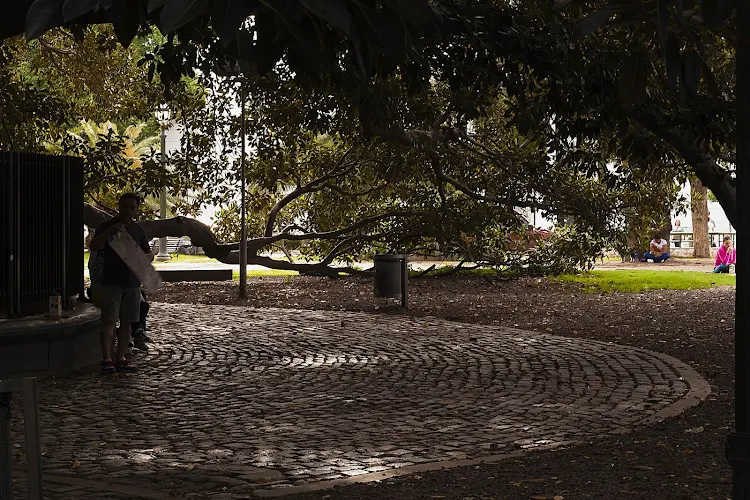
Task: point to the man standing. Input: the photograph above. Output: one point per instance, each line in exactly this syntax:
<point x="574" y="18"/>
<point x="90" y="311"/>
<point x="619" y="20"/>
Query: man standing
<point x="658" y="250"/>
<point x="120" y="288"/>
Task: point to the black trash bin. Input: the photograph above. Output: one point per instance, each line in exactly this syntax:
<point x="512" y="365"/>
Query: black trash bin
<point x="392" y="277"/>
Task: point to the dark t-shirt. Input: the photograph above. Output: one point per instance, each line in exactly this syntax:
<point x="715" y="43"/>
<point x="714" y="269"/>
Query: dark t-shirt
<point x="115" y="271"/>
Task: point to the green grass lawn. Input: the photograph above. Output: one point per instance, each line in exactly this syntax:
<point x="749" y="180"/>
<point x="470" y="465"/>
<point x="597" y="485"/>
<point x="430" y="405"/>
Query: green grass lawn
<point x="597" y="281"/>
<point x="264" y="272"/>
<point x="640" y="281"/>
<point x="188" y="258"/>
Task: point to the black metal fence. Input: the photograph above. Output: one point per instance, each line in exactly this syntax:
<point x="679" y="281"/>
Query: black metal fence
<point x="41" y="231"/>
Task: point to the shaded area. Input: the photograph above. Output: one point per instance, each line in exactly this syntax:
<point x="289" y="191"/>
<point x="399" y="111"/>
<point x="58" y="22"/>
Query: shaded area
<point x="323" y="395"/>
<point x="660" y="461"/>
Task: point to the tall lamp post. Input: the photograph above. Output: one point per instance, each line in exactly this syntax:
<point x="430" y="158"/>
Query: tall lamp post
<point x="162" y="116"/>
<point x="243" y="210"/>
<point x="234" y="70"/>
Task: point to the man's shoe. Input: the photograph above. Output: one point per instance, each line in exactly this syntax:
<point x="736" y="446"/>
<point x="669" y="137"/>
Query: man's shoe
<point x="123" y="365"/>
<point x="140" y="339"/>
<point x="108" y="367"/>
<point x="139" y="332"/>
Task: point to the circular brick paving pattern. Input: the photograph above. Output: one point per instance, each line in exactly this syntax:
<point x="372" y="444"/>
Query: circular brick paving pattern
<point x="235" y="399"/>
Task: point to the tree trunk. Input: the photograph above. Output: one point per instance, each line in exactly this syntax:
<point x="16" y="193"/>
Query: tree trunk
<point x="711" y="175"/>
<point x="699" y="207"/>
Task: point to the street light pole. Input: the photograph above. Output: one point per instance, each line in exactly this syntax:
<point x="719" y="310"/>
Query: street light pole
<point x="738" y="442"/>
<point x="163" y="255"/>
<point x="243" y="215"/>
<point x="233" y="70"/>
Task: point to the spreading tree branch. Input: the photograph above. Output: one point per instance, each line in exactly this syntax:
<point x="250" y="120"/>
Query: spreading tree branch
<point x="202" y="236"/>
<point x="314" y="185"/>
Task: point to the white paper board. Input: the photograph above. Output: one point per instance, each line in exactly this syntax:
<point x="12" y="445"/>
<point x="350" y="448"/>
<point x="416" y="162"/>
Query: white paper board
<point x="135" y="258"/>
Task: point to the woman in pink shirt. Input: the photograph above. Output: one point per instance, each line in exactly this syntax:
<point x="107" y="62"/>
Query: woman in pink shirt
<point x="725" y="256"/>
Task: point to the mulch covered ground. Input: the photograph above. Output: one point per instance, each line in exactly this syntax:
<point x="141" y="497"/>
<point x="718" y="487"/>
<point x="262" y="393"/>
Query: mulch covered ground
<point x="682" y="458"/>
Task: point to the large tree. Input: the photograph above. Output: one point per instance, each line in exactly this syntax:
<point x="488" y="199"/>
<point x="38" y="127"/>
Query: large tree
<point x="322" y="185"/>
<point x="559" y="95"/>
<point x="472" y="45"/>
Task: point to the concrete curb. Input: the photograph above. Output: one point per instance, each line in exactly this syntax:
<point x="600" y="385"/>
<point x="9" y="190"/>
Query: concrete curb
<point x="699" y="390"/>
<point x="403" y="471"/>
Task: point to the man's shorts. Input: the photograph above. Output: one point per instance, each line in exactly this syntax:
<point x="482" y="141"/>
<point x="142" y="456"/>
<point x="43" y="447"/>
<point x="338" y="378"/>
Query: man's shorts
<point x="95" y="294"/>
<point x="120" y="304"/>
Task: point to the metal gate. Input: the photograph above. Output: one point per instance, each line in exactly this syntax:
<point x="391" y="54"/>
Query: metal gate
<point x="41" y="231"/>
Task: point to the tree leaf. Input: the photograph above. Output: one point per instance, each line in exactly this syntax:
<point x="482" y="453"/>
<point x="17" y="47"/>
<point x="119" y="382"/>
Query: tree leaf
<point x="633" y="82"/>
<point x="42" y="16"/>
<point x="73" y="9"/>
<point x="126" y="21"/>
<point x="237" y="11"/>
<point x="155" y="4"/>
<point x="305" y="50"/>
<point x="263" y="52"/>
<point x="334" y="12"/>
<point x="593" y="21"/>
<point x="672" y="60"/>
<point x="177" y="13"/>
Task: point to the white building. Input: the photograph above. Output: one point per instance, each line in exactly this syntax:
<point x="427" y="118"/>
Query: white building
<point x="722" y="224"/>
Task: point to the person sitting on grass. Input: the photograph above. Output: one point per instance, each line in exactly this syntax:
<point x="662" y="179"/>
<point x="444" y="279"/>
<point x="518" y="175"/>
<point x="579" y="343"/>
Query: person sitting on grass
<point x="658" y="250"/>
<point x="725" y="256"/>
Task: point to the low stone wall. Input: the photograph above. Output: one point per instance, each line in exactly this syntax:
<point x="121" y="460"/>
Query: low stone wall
<point x="40" y="345"/>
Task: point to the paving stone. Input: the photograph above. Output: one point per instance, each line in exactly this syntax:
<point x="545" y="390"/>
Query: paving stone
<point x="232" y="397"/>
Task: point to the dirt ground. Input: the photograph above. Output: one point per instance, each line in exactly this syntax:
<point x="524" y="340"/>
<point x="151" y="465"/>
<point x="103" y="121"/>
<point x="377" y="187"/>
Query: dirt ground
<point x="682" y="458"/>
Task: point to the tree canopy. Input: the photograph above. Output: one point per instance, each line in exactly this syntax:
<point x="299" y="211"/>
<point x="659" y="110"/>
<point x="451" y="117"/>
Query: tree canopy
<point x="454" y="112"/>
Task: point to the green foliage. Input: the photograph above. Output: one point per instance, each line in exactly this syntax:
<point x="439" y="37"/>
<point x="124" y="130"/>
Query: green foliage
<point x="313" y="36"/>
<point x="567" y="250"/>
<point x="408" y="126"/>
<point x="265" y="272"/>
<point x="311" y="160"/>
<point x="226" y="224"/>
<point x="114" y="162"/>
<point x="60" y="79"/>
<point x="644" y="280"/>
<point x="30" y="113"/>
